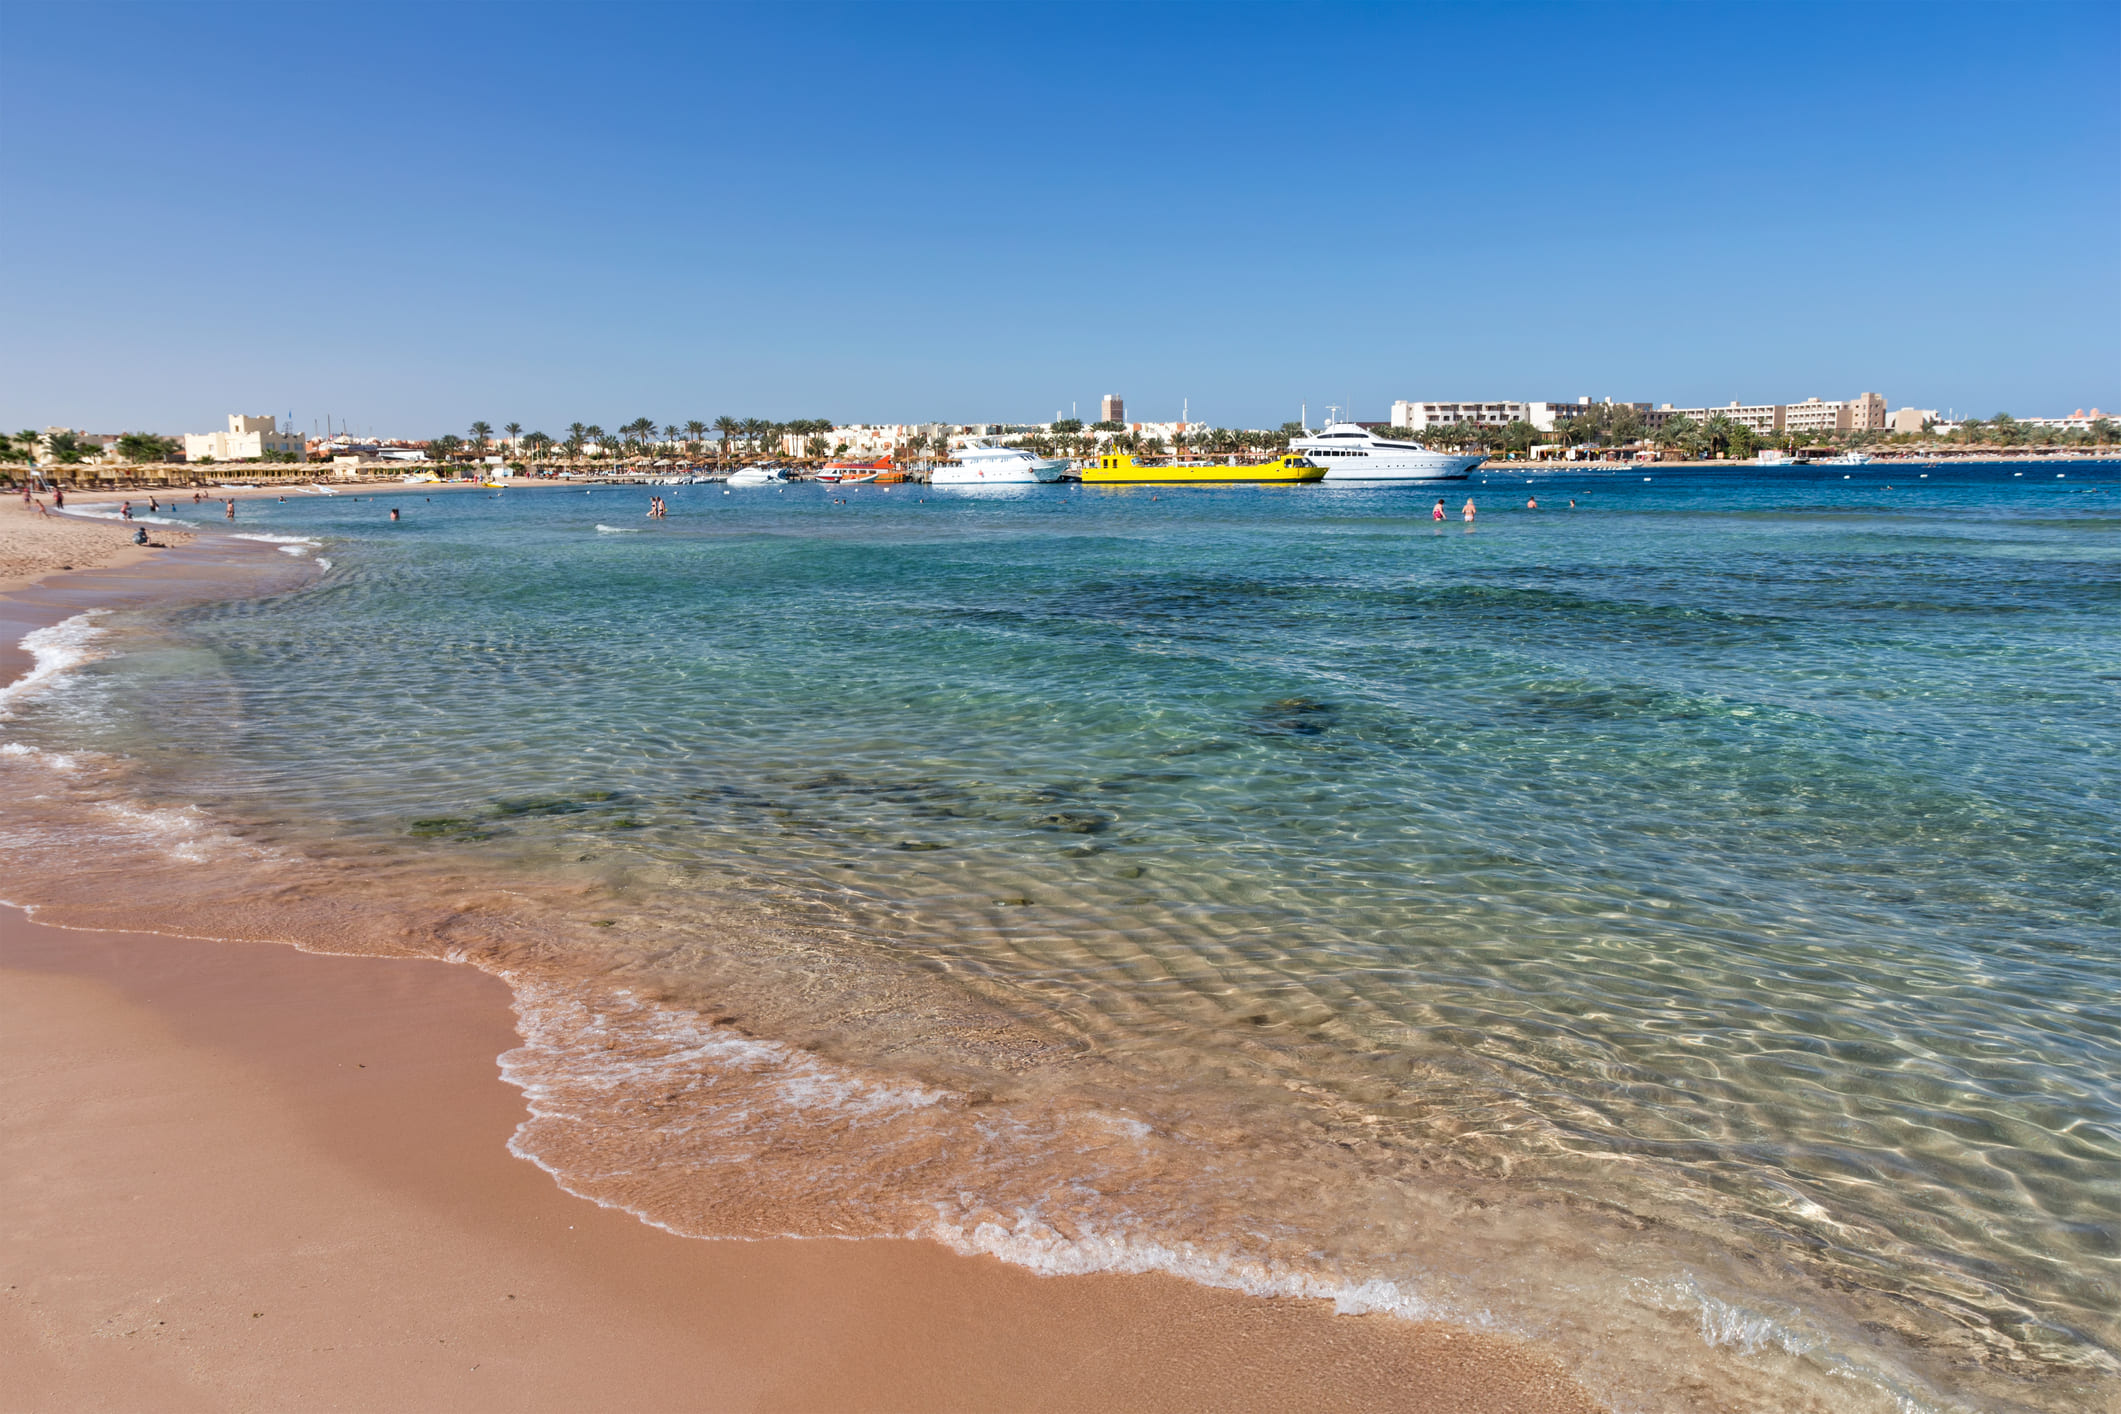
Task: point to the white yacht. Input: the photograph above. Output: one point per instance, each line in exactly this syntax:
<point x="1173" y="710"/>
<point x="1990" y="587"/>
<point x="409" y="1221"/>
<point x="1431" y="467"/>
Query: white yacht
<point x="1849" y="458"/>
<point x="1350" y="452"/>
<point x="757" y="476"/>
<point x="985" y="464"/>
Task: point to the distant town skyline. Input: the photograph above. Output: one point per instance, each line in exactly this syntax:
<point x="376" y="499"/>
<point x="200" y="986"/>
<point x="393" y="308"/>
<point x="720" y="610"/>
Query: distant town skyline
<point x="460" y="218"/>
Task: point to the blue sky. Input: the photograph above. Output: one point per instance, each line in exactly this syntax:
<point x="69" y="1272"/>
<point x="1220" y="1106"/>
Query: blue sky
<point x="417" y="216"/>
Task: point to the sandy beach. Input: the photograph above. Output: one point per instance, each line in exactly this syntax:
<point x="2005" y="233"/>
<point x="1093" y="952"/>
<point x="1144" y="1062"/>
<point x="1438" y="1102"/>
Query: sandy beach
<point x="239" y="1175"/>
<point x="35" y="543"/>
<point x="242" y="1176"/>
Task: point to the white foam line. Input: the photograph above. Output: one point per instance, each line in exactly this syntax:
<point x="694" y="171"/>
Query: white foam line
<point x="50" y="760"/>
<point x="620" y="529"/>
<point x="114" y="515"/>
<point x="55" y="651"/>
<point x="306" y="541"/>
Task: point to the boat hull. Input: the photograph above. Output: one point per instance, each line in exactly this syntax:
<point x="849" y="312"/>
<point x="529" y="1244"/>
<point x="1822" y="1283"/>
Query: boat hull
<point x="1200" y="475"/>
<point x="984" y="476"/>
<point x="1122" y="470"/>
<point x="1377" y="469"/>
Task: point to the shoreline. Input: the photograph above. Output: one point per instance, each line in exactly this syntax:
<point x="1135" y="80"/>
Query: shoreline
<point x="144" y="1063"/>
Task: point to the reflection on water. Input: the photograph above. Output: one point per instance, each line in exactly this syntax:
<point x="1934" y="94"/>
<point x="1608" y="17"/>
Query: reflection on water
<point x="1693" y="911"/>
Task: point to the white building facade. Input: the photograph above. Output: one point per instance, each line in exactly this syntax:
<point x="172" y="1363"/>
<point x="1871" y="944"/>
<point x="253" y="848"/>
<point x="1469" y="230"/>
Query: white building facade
<point x="1544" y="416"/>
<point x="247" y="439"/>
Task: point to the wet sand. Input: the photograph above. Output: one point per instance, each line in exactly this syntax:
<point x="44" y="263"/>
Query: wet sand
<point x="235" y="1174"/>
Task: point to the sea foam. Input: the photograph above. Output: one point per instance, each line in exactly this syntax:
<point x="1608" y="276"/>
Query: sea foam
<point x="55" y="651"/>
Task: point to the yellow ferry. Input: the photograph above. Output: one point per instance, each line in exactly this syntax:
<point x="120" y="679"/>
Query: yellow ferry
<point x="1118" y="468"/>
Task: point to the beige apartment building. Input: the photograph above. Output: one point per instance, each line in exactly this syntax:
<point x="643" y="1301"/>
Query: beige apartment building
<point x="1863" y="413"/>
<point x="1113" y="408"/>
<point x="247" y="439"/>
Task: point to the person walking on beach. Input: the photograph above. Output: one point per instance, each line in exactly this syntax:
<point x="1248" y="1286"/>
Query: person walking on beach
<point x="1468" y="512"/>
<point x="59" y="497"/>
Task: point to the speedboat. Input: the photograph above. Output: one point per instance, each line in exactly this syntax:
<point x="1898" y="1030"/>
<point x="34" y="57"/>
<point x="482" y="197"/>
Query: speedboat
<point x="757" y="475"/>
<point x="1846" y="459"/>
<point x="854" y="470"/>
<point x="1351" y="452"/>
<point x="985" y="464"/>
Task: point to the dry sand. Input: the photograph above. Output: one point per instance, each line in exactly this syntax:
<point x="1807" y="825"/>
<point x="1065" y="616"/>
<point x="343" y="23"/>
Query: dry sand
<point x="34" y="544"/>
<point x="239" y="1176"/>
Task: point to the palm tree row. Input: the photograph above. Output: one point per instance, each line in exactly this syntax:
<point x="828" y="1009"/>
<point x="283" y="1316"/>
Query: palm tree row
<point x="642" y="437"/>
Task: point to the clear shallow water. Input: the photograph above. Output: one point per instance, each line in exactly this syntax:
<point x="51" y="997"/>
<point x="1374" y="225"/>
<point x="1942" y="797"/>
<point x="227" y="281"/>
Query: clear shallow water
<point x="1694" y="911"/>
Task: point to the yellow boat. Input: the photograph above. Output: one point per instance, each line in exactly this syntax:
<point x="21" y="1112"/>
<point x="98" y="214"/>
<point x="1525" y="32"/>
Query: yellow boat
<point x="1119" y="468"/>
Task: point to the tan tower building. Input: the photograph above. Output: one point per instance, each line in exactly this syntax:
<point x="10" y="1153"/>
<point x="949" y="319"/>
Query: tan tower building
<point x="1112" y="409"/>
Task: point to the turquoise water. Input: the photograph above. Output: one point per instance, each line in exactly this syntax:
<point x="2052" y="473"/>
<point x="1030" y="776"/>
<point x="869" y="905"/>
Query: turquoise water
<point x="1729" y="861"/>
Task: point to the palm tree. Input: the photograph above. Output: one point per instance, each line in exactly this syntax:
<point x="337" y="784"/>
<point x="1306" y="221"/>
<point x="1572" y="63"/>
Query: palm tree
<point x="480" y="431"/>
<point x="515" y="436"/>
<point x="728" y="427"/>
<point x="596" y="434"/>
<point x="695" y="433"/>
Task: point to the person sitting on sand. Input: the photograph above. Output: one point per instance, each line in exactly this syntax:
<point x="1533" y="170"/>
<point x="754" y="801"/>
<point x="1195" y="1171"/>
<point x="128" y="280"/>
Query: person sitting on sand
<point x="140" y="536"/>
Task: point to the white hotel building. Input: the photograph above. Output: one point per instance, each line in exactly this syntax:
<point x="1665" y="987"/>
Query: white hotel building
<point x="1416" y="417"/>
<point x="247" y="439"/>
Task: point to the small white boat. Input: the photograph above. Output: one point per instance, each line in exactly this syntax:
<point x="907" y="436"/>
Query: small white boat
<point x="1846" y="459"/>
<point x="758" y="476"/>
<point x="984" y="464"/>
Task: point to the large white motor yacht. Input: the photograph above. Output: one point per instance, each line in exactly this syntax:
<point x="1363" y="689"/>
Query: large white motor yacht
<point x="757" y="476"/>
<point x="984" y="464"/>
<point x="1350" y="452"/>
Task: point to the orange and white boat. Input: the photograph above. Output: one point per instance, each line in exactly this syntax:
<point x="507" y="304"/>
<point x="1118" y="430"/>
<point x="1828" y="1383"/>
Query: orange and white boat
<point x="848" y="471"/>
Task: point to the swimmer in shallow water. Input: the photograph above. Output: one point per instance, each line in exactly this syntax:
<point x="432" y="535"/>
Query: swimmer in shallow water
<point x="393" y="512"/>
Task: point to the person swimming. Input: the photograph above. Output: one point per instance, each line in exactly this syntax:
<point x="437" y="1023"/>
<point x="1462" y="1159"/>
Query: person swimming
<point x="393" y="512"/>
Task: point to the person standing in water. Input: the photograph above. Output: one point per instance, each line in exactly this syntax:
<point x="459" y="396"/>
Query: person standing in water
<point x="231" y="508"/>
<point x="393" y="512"/>
<point x="1468" y="512"/>
<point x="1531" y="503"/>
<point x="1437" y="514"/>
